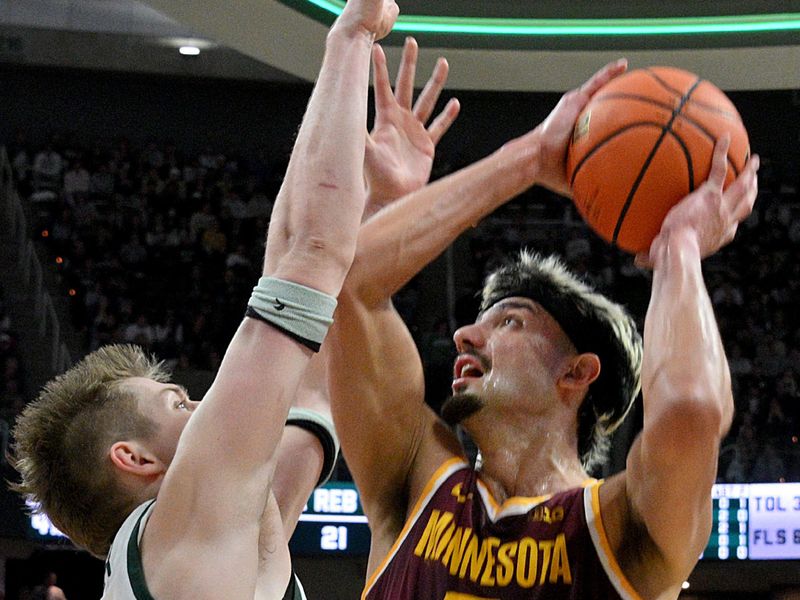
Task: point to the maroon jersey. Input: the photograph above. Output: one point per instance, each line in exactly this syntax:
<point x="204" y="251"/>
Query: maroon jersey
<point x="459" y="544"/>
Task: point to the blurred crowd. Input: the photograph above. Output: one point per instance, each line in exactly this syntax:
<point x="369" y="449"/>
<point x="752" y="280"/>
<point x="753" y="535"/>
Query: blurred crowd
<point x="13" y="381"/>
<point x="159" y="247"/>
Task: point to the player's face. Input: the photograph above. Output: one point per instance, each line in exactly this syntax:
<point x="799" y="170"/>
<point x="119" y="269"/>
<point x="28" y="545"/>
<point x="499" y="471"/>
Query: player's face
<point x="509" y="360"/>
<point x="168" y="405"/>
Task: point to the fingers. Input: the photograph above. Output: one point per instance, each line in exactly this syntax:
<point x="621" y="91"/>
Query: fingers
<point x="744" y="190"/>
<point x="719" y="162"/>
<point x="603" y="76"/>
<point x="404" y="85"/>
<point x="444" y="120"/>
<point x="423" y="109"/>
<point x="380" y="75"/>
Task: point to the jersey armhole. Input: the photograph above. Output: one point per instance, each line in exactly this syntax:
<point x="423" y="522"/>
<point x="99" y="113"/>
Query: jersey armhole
<point x="434" y="483"/>
<point x="594" y="521"/>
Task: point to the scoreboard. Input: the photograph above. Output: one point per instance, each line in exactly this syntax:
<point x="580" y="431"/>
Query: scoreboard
<point x="757" y="521"/>
<point x="332" y="524"/>
<point x="751" y="521"/>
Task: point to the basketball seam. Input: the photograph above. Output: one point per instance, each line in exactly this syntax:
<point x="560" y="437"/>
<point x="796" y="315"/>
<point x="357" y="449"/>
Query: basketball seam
<point x="711" y="137"/>
<point x="713" y="109"/>
<point x="699" y="104"/>
<point x="649" y="159"/>
<point x="607" y="139"/>
<point x="688" y="156"/>
<point x="702" y="105"/>
<point x="637" y="97"/>
<point x="698" y="124"/>
<point x="667" y="86"/>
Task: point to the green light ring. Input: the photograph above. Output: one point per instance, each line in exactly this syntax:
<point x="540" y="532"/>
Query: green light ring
<point x="574" y="27"/>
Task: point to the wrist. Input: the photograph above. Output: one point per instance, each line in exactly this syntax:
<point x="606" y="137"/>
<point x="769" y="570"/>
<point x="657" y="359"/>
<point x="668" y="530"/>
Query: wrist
<point x="681" y="243"/>
<point x="348" y="32"/>
<point x="523" y="157"/>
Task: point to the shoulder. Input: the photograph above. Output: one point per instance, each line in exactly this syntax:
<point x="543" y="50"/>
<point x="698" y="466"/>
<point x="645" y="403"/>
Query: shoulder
<point x="430" y="488"/>
<point x="627" y="540"/>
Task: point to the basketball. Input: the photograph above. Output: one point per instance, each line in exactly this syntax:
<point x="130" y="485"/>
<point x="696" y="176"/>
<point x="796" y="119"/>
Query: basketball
<point x="643" y="142"/>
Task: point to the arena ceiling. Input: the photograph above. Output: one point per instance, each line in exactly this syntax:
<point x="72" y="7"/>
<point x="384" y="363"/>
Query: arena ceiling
<point x="491" y="44"/>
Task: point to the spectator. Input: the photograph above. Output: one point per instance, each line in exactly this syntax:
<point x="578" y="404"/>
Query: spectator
<point x="84" y="211"/>
<point x="213" y="240"/>
<point x="47" y="168"/>
<point x="259" y="206"/>
<point x="102" y="183"/>
<point x="104" y="327"/>
<point x="152" y="157"/>
<point x="63" y="230"/>
<point x="156" y="236"/>
<point x="133" y="253"/>
<point x="771" y="360"/>
<point x="239" y="259"/>
<point x="20" y="157"/>
<point x="755" y="459"/>
<point x="200" y="221"/>
<point x="740" y="365"/>
<point x="140" y="332"/>
<point x="48" y="590"/>
<point x="168" y="336"/>
<point x="76" y="180"/>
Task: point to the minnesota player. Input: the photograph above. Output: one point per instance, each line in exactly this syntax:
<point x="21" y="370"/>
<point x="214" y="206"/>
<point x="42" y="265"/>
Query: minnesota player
<point x="548" y="370"/>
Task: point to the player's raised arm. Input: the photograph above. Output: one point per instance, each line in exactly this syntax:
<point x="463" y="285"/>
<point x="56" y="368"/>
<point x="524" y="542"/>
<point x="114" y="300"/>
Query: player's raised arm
<point x="399" y="157"/>
<point x="319" y="207"/>
<point x="308" y="450"/>
<point x="686" y="387"/>
<point x="223" y="464"/>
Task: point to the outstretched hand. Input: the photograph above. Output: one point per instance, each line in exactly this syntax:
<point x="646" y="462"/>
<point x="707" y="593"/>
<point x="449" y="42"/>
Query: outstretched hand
<point x="556" y="130"/>
<point x="400" y="149"/>
<point x="710" y="215"/>
<point x="374" y="17"/>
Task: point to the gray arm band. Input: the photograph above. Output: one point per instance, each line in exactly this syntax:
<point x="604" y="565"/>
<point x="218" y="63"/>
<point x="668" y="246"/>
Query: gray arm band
<point x="303" y="313"/>
<point x="322" y="427"/>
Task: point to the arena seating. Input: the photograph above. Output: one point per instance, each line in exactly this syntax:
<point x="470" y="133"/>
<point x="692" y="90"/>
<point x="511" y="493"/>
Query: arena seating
<point x="158" y="247"/>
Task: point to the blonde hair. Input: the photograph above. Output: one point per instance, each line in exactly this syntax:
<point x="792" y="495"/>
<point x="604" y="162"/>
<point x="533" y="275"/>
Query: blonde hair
<point x="62" y="440"/>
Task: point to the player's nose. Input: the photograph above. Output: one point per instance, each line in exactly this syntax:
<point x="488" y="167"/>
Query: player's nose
<point x="469" y="336"/>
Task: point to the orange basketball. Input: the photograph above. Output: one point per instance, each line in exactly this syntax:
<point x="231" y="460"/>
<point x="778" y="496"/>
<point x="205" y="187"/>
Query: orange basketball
<point x="643" y="143"/>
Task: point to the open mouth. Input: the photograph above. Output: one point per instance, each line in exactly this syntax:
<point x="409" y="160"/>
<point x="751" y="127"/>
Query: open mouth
<point x="467" y="366"/>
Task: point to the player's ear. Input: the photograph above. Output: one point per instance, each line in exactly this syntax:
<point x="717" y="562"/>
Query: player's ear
<point x="134" y="458"/>
<point x="582" y="370"/>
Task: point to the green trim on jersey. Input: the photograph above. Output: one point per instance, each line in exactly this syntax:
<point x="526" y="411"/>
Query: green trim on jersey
<point x="135" y="568"/>
<point x="294" y="591"/>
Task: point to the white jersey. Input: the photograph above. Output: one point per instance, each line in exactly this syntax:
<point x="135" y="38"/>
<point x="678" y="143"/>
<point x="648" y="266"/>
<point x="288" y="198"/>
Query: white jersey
<point x="124" y="576"/>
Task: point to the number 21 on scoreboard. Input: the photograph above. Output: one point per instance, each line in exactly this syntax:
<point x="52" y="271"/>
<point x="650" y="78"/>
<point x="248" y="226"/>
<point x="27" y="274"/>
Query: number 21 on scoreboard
<point x="333" y="538"/>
